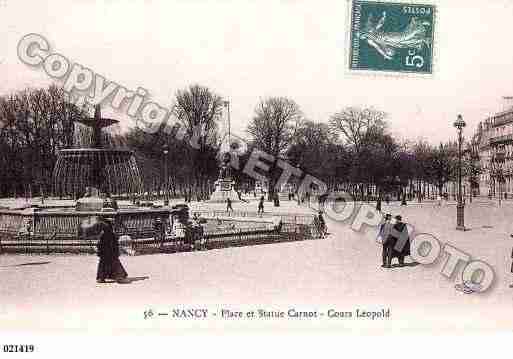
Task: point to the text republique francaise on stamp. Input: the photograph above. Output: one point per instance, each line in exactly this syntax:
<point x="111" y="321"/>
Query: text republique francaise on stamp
<point x="392" y="37"/>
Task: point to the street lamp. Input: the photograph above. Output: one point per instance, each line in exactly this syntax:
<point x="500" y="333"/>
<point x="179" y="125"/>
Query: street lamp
<point x="165" y="151"/>
<point x="459" y="124"/>
<point x="298" y="184"/>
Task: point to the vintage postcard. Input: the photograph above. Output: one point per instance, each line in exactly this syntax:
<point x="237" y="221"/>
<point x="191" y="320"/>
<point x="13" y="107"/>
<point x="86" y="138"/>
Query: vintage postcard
<point x="281" y="168"/>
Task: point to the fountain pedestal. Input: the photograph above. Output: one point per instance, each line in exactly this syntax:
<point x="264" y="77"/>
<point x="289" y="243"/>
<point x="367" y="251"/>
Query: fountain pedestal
<point x="89" y="204"/>
<point x="93" y="202"/>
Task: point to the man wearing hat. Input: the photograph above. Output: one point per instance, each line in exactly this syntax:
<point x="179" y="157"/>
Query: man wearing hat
<point x="399" y="242"/>
<point x="384" y="233"/>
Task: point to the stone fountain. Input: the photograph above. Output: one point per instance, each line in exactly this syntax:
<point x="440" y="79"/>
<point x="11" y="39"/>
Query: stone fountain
<point x="90" y="174"/>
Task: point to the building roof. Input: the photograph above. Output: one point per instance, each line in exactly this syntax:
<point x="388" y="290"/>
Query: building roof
<point x="501" y="118"/>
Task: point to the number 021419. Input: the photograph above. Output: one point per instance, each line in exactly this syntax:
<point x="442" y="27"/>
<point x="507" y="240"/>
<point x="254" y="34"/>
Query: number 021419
<point x="18" y="348"/>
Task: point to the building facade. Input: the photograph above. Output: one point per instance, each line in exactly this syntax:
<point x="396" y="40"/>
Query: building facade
<point x="494" y="136"/>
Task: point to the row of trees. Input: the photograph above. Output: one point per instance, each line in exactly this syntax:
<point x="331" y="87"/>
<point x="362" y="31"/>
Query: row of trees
<point x="354" y="149"/>
<point x="34" y="124"/>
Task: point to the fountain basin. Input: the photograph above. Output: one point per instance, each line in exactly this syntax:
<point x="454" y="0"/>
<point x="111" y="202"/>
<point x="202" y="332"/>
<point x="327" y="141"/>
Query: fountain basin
<point x="114" y="170"/>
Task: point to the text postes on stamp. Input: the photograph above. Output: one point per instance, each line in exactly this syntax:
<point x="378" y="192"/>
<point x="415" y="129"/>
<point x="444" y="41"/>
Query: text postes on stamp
<point x="392" y="37"/>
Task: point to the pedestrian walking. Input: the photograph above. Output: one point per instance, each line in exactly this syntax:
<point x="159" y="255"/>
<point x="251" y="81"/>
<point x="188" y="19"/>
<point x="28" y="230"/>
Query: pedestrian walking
<point x="403" y="201"/>
<point x="378" y="204"/>
<point x="229" y="205"/>
<point x="383" y="236"/>
<point x="109" y="265"/>
<point x="323" y="230"/>
<point x="261" y="205"/>
<point x="398" y="243"/>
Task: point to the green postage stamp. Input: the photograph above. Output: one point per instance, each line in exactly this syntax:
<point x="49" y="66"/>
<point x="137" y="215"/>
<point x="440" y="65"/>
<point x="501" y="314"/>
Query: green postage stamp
<point x="392" y="37"/>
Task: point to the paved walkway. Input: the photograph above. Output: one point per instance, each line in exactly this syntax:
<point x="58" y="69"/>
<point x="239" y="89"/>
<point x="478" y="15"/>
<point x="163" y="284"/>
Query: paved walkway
<point x="342" y="272"/>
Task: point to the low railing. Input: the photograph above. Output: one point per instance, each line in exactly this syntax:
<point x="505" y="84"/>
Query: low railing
<point x="44" y="232"/>
<point x="286" y="218"/>
<point x="60" y="231"/>
<point x="214" y="240"/>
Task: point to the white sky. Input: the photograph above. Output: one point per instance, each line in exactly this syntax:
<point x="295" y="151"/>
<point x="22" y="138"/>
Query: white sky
<point x="245" y="50"/>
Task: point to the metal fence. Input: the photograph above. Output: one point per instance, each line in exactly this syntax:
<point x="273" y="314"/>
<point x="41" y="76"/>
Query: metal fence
<point x="215" y="240"/>
<point x="286" y="218"/>
<point x="51" y="232"/>
<point x="46" y="232"/>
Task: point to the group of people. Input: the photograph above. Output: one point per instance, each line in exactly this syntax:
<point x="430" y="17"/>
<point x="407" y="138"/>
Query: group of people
<point x="395" y="240"/>
<point x="229" y="207"/>
<point x="261" y="201"/>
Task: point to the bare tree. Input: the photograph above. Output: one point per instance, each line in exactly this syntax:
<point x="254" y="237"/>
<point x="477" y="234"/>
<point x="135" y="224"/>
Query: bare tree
<point x="353" y="124"/>
<point x="36" y="123"/>
<point x="442" y="164"/>
<point x="274" y="124"/>
<point x="272" y="130"/>
<point x="198" y="109"/>
<point x="315" y="150"/>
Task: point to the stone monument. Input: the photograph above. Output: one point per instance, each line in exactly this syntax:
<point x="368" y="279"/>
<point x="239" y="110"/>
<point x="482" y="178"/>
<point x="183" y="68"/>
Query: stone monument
<point x="224" y="186"/>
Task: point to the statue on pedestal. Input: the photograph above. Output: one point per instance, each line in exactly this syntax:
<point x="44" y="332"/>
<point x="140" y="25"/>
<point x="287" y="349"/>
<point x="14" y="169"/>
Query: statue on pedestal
<point x="224" y="186"/>
<point x="225" y="170"/>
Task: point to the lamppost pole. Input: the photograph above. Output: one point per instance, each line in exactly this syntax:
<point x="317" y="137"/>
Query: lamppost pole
<point x="499" y="181"/>
<point x="460" y="207"/>
<point x="165" y="151"/>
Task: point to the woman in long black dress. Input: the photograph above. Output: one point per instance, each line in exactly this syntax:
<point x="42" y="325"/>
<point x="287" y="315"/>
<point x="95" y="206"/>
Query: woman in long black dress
<point x="109" y="266"/>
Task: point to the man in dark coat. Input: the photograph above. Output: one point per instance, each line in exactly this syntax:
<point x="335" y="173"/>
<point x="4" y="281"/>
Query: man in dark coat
<point x="398" y="243"/>
<point x="378" y="204"/>
<point x="229" y="205"/>
<point x="261" y="205"/>
<point x="384" y="232"/>
<point x="109" y="266"/>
